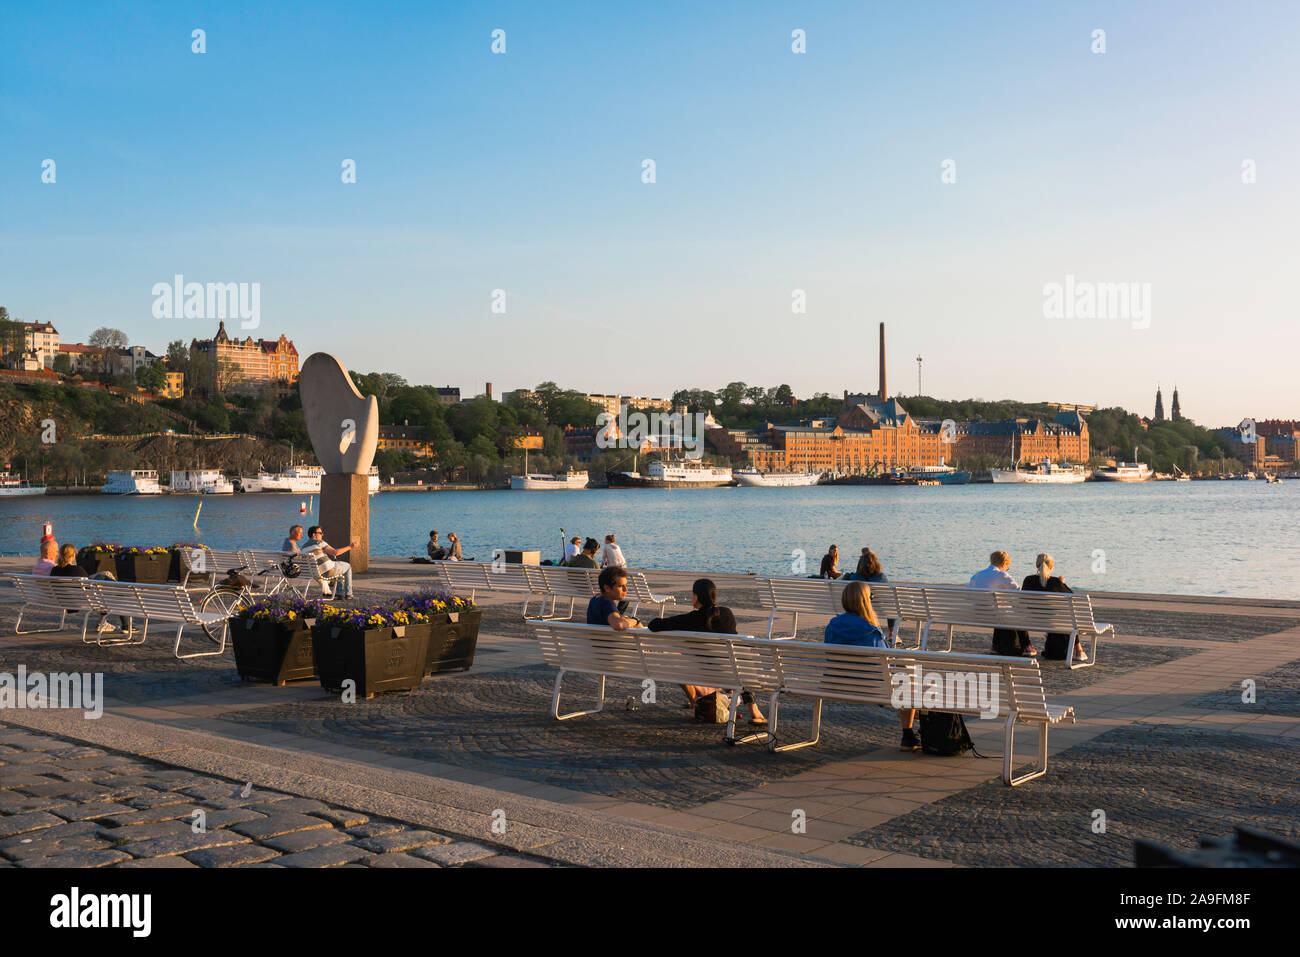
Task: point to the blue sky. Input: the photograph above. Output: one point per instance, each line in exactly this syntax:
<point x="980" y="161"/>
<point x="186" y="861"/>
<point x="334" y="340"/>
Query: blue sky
<point x="775" y="171"/>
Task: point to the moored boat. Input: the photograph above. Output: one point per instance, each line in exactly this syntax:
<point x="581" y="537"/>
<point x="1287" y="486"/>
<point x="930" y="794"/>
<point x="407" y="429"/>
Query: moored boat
<point x="539" y="482"/>
<point x="1045" y="473"/>
<point x="131" y="482"/>
<point x="1123" y="472"/>
<point x="753" y="478"/>
<point x="12" y="486"/>
<point x="688" y="473"/>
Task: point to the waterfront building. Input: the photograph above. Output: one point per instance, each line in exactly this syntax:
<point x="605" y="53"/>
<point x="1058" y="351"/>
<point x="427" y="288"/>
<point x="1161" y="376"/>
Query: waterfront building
<point x="1250" y="454"/>
<point x="405" y="438"/>
<point x="260" y="361"/>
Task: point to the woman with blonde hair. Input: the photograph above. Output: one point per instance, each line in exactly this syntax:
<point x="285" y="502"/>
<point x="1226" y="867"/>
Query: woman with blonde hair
<point x="860" y="626"/>
<point x="67" y="566"/>
<point x="1055" y="646"/>
<point x="830" y="563"/>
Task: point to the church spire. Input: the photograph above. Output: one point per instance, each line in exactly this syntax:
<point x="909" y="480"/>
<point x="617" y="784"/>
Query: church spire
<point x="1176" y="410"/>
<point x="1160" y="407"/>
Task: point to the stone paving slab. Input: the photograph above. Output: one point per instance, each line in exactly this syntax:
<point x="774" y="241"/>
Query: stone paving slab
<point x="1207" y="784"/>
<point x="1276" y="692"/>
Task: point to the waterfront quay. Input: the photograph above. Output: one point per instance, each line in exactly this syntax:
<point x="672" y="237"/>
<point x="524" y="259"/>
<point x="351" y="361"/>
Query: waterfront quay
<point x="471" y="770"/>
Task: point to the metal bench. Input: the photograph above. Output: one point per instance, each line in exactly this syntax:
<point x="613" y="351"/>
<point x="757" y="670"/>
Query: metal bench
<point x="817" y="596"/>
<point x="169" y="603"/>
<point x="201" y="560"/>
<point x="506" y="577"/>
<point x="638" y="590"/>
<point x="873" y="675"/>
<point x="268" y="566"/>
<point x="669" y="657"/>
<point x="52" y="594"/>
<point x="1023" y="610"/>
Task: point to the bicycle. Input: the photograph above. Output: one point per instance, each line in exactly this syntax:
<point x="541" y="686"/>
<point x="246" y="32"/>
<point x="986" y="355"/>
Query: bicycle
<point x="228" y="600"/>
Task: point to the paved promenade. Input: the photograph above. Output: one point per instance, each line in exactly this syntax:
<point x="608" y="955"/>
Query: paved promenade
<point x="469" y="770"/>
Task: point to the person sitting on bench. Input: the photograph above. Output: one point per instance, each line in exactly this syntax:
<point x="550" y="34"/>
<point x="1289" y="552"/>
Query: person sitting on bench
<point x="341" y="571"/>
<point x="860" y="626"/>
<point x="603" y="608"/>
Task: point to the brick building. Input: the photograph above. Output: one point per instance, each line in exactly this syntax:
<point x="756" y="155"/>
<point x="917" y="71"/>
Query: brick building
<point x="260" y="360"/>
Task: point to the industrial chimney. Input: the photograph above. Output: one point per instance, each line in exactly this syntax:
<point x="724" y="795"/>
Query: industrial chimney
<point x="884" y="393"/>
<point x="489" y="387"/>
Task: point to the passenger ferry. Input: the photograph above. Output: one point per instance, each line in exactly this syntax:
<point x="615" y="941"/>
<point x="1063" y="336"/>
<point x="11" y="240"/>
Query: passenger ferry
<point x="12" y="486"/>
<point x="537" y="482"/>
<point x="685" y="473"/>
<point x="1123" y="472"/>
<point x="1045" y="473"/>
<point x="131" y="482"/>
<point x="298" y="478"/>
<point x="753" y="478"/>
<point x="942" y="474"/>
<point x="204" y="481"/>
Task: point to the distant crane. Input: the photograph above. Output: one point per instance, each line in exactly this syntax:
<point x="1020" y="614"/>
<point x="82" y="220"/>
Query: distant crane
<point x="918" y="375"/>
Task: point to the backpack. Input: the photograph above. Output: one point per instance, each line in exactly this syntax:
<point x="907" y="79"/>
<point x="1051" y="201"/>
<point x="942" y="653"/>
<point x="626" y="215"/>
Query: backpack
<point x="289" y="568"/>
<point x="713" y="708"/>
<point x="944" y="733"/>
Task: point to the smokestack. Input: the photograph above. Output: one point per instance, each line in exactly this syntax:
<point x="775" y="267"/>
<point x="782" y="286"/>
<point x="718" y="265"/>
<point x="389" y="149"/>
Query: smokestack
<point x="489" y="390"/>
<point x="884" y="393"/>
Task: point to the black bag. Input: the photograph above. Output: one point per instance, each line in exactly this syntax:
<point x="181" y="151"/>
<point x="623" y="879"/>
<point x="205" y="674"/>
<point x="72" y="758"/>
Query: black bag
<point x="1010" y="643"/>
<point x="1056" y="647"/>
<point x="289" y="568"/>
<point x="944" y="733"/>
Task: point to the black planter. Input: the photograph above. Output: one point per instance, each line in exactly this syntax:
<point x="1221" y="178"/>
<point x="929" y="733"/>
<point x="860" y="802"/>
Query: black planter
<point x="95" y="562"/>
<point x="268" y="651"/>
<point x="377" y="659"/>
<point x="452" y="643"/>
<point x="175" y="570"/>
<point x="143" y="569"/>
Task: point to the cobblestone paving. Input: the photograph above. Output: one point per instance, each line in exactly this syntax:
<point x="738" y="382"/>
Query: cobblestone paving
<point x="500" y="722"/>
<point x="1207" y="783"/>
<point x="66" y="805"/>
<point x="1276" y="692"/>
<point x="1179" y="624"/>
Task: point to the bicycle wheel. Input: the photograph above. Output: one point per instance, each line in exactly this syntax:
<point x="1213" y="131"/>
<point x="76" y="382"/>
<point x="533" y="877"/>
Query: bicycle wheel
<point x="224" y="602"/>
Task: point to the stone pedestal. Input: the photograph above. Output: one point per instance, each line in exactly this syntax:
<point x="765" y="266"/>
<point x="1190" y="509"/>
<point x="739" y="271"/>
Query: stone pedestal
<point x="345" y="515"/>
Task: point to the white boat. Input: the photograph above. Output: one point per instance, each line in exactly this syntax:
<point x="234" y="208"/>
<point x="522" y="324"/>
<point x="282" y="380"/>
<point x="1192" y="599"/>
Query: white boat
<point x="196" y="481"/>
<point x="536" y="481"/>
<point x="683" y="473"/>
<point x="299" y="478"/>
<point x="1045" y="473"/>
<point x="254" y="484"/>
<point x="12" y="486"/>
<point x="1124" y="472"/>
<point x="131" y="482"/>
<point x="372" y="480"/>
<point x="753" y="478"/>
<point x="1272" y="478"/>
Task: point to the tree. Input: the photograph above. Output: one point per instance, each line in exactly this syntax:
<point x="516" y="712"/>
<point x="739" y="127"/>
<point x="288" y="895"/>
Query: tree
<point x="106" y="342"/>
<point x="13" y="336"/>
<point x="63" y="364"/>
<point x="152" y="378"/>
<point x="178" y="356"/>
<point x="227" y="376"/>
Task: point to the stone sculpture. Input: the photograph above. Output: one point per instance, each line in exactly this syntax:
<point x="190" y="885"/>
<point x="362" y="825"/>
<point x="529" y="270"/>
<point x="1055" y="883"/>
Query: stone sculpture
<point x="344" y="428"/>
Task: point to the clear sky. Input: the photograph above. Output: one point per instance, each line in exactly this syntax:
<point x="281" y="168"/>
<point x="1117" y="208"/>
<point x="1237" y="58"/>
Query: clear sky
<point x="774" y="172"/>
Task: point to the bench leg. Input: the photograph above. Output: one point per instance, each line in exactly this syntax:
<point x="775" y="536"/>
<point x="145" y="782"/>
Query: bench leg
<point x="555" y="702"/>
<point x="38" y="631"/>
<point x="636" y="606"/>
<point x="925" y="638"/>
<point x="949" y="648"/>
<point x="772" y="719"/>
<point x="1092" y="659"/>
<point x="730" y="736"/>
<point x="1008" y="758"/>
<point x="176" y="649"/>
<point x="771" y="623"/>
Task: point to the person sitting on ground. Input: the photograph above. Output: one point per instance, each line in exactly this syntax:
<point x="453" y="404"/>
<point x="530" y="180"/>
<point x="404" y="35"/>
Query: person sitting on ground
<point x="1006" y="641"/>
<point x="1055" y="645"/>
<point x="573" y="549"/>
<point x="436" y="552"/>
<point x="341" y="571"/>
<point x="830" y="561"/>
<point x="454" y="553"/>
<point x="49" y="556"/>
<point x="290" y="545"/>
<point x="860" y="626"/>
<point x="603" y="608"/>
<point x="67" y="566"/>
<point x="611" y="556"/>
<point x="708" y="616"/>
<point x="868" y="569"/>
<point x="587" y="557"/>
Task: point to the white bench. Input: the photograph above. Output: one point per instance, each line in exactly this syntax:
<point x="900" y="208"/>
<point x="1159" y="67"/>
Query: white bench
<point x="1047" y="612"/>
<point x="668" y="657"/>
<point x="201" y="560"/>
<point x="638" y="590"/>
<point x="88" y="596"/>
<point x="796" y="668"/>
<point x="817" y="596"/>
<point x="871" y="676"/>
<point x="52" y="594"/>
<point x="265" y="566"/>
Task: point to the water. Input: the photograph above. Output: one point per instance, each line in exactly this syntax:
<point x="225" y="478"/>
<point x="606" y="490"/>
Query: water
<point x="1204" y="538"/>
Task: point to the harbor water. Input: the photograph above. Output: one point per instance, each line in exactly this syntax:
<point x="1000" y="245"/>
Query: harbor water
<point x="1229" y="538"/>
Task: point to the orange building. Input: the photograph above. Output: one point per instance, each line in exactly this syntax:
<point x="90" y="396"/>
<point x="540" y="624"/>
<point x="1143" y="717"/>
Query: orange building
<point x="406" y="438"/>
<point x="259" y="360"/>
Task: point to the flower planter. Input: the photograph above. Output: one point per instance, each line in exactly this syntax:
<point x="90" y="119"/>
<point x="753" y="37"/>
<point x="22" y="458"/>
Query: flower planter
<point x="452" y="641"/>
<point x="175" y="569"/>
<point x="377" y="659"/>
<point x="271" y="651"/>
<point x="142" y="569"/>
<point x="95" y="562"/>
